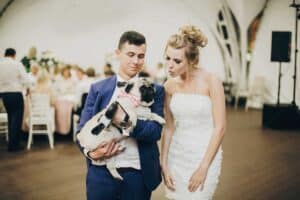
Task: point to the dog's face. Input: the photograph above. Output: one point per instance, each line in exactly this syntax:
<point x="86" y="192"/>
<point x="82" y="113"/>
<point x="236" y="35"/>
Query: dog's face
<point x="147" y="91"/>
<point x="142" y="88"/>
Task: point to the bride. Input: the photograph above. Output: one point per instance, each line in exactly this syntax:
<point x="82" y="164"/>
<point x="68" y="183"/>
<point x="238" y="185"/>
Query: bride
<point x="195" y="120"/>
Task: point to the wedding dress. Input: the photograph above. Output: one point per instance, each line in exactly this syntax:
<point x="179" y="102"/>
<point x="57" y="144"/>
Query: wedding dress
<point x="194" y="127"/>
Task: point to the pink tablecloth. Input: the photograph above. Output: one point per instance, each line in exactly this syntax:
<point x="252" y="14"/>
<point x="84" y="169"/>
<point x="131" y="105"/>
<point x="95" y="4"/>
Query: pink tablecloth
<point x="63" y="112"/>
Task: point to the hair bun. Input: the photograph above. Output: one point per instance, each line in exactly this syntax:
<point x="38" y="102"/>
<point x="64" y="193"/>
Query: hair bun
<point x="194" y="35"/>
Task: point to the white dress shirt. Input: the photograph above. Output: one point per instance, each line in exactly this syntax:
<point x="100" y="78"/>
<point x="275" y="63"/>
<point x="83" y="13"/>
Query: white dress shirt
<point x="13" y="77"/>
<point x="130" y="157"/>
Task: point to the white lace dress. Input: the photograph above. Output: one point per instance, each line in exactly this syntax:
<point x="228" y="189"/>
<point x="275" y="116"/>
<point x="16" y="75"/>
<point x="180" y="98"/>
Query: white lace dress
<point x="194" y="128"/>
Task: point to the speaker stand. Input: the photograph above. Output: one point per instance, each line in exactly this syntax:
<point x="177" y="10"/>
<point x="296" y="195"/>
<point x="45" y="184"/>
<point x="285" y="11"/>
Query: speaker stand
<point x="296" y="6"/>
<point x="279" y="82"/>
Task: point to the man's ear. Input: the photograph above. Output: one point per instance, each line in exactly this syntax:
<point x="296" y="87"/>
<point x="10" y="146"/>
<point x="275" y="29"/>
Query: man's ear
<point x="117" y="52"/>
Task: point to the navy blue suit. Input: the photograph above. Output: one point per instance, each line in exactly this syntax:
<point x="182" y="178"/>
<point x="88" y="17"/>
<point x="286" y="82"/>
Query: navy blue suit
<point x="146" y="133"/>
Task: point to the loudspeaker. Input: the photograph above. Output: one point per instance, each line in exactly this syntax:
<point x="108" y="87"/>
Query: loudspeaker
<point x="282" y="116"/>
<point x="281" y="46"/>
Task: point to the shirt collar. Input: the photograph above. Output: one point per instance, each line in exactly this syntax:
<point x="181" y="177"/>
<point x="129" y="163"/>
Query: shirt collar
<point x="119" y="78"/>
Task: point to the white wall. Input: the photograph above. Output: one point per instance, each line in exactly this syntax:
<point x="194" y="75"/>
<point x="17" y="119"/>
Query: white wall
<point x="83" y="32"/>
<point x="278" y="17"/>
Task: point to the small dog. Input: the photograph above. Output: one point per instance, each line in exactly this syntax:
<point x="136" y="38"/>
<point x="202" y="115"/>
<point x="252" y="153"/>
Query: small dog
<point x="135" y="101"/>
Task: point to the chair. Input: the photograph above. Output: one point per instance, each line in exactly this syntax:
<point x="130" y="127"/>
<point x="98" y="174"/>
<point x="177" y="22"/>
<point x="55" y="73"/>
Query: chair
<point x="41" y="118"/>
<point x="257" y="90"/>
<point x="228" y="91"/>
<point x="75" y="123"/>
<point x="4" y="125"/>
<point x="240" y="93"/>
<point x="254" y="95"/>
<point x="77" y="114"/>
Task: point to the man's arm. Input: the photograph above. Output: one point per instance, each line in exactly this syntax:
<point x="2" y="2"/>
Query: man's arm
<point x="87" y="112"/>
<point x="150" y="130"/>
<point x="104" y="150"/>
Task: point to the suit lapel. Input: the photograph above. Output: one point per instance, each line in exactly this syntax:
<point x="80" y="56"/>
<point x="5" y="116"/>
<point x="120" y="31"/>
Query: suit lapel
<point x="105" y="94"/>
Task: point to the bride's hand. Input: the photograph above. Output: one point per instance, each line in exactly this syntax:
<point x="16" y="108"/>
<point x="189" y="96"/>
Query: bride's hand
<point x="197" y="179"/>
<point x="168" y="180"/>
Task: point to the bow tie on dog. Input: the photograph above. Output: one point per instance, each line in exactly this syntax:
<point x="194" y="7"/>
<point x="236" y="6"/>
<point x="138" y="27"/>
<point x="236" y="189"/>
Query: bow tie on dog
<point x="134" y="101"/>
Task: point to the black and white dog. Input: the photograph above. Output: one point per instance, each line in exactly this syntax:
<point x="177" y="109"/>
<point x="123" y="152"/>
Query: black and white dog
<point x="135" y="100"/>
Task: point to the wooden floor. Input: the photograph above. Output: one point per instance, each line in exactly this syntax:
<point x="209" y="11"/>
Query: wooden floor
<point x="258" y="164"/>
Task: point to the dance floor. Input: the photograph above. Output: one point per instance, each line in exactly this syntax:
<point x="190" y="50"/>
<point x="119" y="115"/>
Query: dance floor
<point x="257" y="164"/>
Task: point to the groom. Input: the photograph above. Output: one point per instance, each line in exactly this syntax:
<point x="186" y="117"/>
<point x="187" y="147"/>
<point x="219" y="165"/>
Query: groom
<point x="139" y="163"/>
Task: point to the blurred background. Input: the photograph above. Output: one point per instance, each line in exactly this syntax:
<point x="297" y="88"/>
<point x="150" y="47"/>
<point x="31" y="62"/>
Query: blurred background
<point x="67" y="45"/>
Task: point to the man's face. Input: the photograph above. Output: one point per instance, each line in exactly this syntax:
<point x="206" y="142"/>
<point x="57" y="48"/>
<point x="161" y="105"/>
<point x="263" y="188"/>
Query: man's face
<point x="131" y="58"/>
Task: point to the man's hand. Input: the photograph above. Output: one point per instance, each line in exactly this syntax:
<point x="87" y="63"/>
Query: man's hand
<point x="105" y="150"/>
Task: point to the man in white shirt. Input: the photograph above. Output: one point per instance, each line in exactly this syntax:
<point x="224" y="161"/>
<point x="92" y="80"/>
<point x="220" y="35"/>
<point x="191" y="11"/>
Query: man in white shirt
<point x="13" y="81"/>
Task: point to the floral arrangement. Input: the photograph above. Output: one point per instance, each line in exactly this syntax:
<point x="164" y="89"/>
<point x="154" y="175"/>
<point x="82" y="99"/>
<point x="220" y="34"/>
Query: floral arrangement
<point x="47" y="60"/>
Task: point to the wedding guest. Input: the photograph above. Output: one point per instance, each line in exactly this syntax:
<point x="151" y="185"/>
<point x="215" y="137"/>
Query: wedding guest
<point x="13" y="82"/>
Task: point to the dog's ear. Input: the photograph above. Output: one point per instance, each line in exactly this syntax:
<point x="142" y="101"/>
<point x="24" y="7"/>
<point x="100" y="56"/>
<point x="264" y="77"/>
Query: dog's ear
<point x="111" y="110"/>
<point x="97" y="129"/>
<point x="128" y="87"/>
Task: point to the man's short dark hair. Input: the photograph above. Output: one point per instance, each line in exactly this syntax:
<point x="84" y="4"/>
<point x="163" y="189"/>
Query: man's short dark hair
<point x="10" y="52"/>
<point x="132" y="37"/>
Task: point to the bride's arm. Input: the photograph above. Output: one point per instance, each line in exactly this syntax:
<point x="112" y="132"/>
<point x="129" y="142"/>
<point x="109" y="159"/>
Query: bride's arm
<point x="219" y="118"/>
<point x="168" y="130"/>
<point x="218" y="110"/>
<point x="167" y="134"/>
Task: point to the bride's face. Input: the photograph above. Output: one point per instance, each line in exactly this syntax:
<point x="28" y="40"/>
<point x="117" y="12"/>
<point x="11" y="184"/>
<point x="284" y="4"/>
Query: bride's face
<point x="176" y="61"/>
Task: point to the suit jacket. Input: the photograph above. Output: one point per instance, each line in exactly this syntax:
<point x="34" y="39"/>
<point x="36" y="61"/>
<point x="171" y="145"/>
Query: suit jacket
<point x="146" y="133"/>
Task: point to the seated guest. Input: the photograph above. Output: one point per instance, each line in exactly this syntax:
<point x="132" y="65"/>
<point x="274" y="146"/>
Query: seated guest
<point x="80" y="74"/>
<point x="64" y="84"/>
<point x="34" y="69"/>
<point x="90" y="72"/>
<point x="65" y="101"/>
<point x="83" y="88"/>
<point x="43" y="85"/>
<point x="108" y="71"/>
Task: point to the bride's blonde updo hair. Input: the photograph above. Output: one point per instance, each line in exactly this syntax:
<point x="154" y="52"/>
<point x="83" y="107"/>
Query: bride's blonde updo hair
<point x="190" y="38"/>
